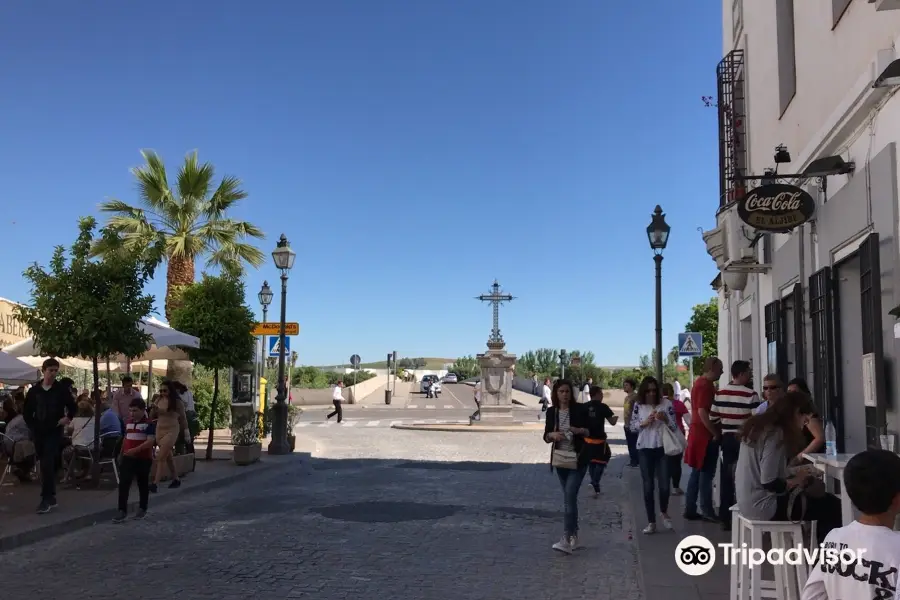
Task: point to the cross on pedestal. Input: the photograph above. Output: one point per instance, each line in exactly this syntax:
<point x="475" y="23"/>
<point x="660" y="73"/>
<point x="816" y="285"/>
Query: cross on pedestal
<point x="496" y="298"/>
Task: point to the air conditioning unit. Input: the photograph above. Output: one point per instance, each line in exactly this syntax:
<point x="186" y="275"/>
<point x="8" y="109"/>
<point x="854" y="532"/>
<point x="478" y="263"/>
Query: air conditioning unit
<point x="886" y="4"/>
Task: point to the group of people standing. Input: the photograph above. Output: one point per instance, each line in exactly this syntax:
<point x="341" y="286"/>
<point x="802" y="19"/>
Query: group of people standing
<point x="128" y="426"/>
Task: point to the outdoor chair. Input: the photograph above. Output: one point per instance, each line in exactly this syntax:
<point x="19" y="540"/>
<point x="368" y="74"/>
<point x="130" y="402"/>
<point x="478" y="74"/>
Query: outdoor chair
<point x="110" y="444"/>
<point x="9" y="456"/>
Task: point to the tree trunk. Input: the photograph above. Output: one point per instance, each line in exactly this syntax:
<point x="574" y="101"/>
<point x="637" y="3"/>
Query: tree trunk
<point x="180" y="273"/>
<point x="95" y="465"/>
<point x="212" y="414"/>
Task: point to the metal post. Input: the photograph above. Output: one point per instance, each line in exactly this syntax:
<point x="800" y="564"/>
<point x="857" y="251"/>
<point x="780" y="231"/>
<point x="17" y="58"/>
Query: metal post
<point x="657" y="258"/>
<point x="394" y="391"/>
<point x="691" y="371"/>
<point x="264" y="353"/>
<point x="279" y="444"/>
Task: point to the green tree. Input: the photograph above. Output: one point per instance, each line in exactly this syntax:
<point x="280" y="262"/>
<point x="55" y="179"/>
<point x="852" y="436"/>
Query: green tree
<point x="465" y="367"/>
<point x="215" y="310"/>
<point x="705" y="320"/>
<point x="89" y="308"/>
<point x="180" y="225"/>
<point x="202" y="386"/>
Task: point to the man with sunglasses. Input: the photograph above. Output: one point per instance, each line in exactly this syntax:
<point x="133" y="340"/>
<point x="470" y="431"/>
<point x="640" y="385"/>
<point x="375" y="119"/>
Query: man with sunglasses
<point x="773" y="389"/>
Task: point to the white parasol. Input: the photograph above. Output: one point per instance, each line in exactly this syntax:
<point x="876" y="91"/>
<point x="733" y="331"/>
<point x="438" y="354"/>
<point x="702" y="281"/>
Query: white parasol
<point x="15" y="371"/>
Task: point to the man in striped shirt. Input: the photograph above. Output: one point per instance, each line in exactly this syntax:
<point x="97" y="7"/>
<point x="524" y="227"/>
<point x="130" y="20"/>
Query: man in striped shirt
<point x="734" y="403"/>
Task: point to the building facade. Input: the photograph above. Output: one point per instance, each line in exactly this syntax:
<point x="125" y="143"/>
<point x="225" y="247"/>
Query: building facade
<point x="807" y="101"/>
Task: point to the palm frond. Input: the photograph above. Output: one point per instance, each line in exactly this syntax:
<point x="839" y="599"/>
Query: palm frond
<point x="226" y="196"/>
<point x="153" y="185"/>
<point x="232" y="257"/>
<point x="194" y="185"/>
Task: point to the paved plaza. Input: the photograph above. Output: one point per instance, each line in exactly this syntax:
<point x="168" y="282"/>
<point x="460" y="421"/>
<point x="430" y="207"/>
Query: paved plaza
<point x="379" y="513"/>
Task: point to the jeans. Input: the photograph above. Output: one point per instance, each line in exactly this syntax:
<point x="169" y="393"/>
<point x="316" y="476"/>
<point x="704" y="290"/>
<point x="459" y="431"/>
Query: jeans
<point x="654" y="466"/>
<point x="131" y="469"/>
<point x="731" y="447"/>
<point x="337" y="411"/>
<point x="48" y="447"/>
<point x="700" y="483"/>
<point x="631" y="439"/>
<point x="675" y="469"/>
<point x="596" y="471"/>
<point x="570" y="480"/>
<point x="476" y="416"/>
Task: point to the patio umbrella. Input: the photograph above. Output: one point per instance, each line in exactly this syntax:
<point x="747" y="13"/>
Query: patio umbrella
<point x="15" y="371"/>
<point x="163" y="345"/>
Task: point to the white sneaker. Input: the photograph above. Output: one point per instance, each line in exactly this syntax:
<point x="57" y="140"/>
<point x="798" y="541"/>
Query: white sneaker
<point x="651" y="528"/>
<point x="563" y="546"/>
<point x="573" y="542"/>
<point x="667" y="523"/>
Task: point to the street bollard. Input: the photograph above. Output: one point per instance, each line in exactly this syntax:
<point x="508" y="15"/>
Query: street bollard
<point x="387" y="396"/>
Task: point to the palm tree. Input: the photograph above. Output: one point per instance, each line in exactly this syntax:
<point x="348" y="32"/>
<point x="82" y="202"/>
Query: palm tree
<point x="178" y="226"/>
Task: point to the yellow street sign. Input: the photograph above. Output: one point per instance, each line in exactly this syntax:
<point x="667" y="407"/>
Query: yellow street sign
<point x="275" y="329"/>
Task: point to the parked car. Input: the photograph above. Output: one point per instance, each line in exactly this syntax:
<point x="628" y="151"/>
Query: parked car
<point x="450" y="378"/>
<point x="433" y="379"/>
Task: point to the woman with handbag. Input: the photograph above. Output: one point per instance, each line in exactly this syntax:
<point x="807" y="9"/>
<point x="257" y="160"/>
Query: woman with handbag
<point x="675" y="460"/>
<point x="565" y="426"/>
<point x="766" y="490"/>
<point x="652" y="414"/>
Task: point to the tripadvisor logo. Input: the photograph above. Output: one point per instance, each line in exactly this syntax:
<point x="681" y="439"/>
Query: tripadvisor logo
<point x="695" y="555"/>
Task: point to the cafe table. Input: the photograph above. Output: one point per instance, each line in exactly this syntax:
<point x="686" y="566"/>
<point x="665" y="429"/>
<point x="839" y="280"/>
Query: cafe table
<point x="833" y="468"/>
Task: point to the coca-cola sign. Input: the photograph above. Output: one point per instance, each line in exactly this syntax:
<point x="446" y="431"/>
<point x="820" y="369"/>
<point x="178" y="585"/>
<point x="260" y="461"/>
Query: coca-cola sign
<point x="776" y="207"/>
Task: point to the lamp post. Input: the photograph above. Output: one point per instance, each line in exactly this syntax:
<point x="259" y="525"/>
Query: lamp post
<point x="658" y="234"/>
<point x="265" y="299"/>
<point x="563" y="361"/>
<point x="284" y="260"/>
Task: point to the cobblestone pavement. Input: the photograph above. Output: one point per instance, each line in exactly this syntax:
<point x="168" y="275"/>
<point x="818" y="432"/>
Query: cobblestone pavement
<point x="366" y="518"/>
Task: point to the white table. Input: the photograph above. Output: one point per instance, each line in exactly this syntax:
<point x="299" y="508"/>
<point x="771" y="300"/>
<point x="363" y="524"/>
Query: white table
<point x="833" y="467"/>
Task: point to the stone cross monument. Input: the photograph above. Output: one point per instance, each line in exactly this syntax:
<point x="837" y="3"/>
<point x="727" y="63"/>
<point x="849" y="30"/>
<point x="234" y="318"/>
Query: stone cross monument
<point x="497" y="368"/>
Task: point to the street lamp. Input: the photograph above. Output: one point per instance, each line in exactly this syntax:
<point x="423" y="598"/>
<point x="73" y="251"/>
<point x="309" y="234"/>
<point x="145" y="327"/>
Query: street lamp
<point x="563" y="361"/>
<point x="284" y="260"/>
<point x="265" y="299"/>
<point x="658" y="234"/>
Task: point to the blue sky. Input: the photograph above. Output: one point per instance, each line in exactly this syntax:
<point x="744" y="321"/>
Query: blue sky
<point x="412" y="151"/>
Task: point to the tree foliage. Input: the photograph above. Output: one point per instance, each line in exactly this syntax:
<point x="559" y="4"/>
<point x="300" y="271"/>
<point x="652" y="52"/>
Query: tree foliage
<point x="465" y="367"/>
<point x="411" y="363"/>
<point x="215" y="310"/>
<point x="89" y="308"/>
<point x="705" y="320"/>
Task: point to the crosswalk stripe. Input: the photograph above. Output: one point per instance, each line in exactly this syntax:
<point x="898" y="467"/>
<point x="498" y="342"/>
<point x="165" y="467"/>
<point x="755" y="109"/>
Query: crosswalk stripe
<point x="412" y="406"/>
<point x="448" y="406"/>
<point x="372" y="423"/>
<point x="430" y="406"/>
<point x="396" y="423"/>
<point x="326" y="424"/>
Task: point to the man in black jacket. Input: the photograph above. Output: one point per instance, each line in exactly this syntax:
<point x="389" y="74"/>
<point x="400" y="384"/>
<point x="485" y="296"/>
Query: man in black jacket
<point x="49" y="406"/>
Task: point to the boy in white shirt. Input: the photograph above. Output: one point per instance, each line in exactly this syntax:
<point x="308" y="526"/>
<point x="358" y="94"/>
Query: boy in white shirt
<point x="872" y="480"/>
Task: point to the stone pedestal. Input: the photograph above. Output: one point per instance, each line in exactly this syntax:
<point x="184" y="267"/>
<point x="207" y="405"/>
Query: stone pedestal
<point x="497" y="370"/>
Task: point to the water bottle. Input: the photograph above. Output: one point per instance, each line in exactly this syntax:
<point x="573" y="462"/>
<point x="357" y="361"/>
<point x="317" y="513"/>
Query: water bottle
<point x="830" y="439"/>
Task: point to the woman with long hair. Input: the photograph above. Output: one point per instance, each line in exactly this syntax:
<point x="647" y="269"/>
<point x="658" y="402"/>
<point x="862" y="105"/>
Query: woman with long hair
<point x="170" y="422"/>
<point x="565" y="426"/>
<point x="763" y="482"/>
<point x="650" y="416"/>
<point x="814" y="432"/>
<point x="674" y="462"/>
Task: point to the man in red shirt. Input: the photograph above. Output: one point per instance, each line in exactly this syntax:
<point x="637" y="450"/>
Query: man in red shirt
<point x="702" y="452"/>
<point x="137" y="459"/>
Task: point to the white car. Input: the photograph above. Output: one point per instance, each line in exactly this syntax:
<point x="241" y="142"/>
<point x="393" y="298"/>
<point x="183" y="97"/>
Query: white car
<point x="434" y="381"/>
<point x="450" y="378"/>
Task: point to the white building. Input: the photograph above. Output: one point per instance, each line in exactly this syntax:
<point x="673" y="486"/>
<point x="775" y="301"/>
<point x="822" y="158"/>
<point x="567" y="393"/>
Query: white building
<point x="813" y="302"/>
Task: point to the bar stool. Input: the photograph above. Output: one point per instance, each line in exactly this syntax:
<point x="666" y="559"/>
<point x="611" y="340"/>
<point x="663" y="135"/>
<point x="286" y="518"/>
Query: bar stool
<point x="747" y="583"/>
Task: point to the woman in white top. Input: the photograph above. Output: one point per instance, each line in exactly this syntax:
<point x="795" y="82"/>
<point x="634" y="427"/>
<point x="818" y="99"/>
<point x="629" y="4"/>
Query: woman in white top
<point x="650" y="415"/>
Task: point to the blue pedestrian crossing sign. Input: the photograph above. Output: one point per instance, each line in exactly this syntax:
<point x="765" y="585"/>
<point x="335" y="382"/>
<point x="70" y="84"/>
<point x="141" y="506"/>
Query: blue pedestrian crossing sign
<point x="275" y="348"/>
<point x="690" y="344"/>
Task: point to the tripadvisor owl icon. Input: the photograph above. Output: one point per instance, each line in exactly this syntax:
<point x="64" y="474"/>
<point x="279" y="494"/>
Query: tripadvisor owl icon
<point x="695" y="555"/>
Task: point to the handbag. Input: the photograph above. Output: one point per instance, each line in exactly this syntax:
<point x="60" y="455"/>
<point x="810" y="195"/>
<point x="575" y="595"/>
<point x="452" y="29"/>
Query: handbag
<point x="812" y="487"/>
<point x="673" y="441"/>
<point x="562" y="459"/>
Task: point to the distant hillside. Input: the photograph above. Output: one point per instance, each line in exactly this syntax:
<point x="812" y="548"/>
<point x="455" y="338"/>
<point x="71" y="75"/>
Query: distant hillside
<point x="433" y="364"/>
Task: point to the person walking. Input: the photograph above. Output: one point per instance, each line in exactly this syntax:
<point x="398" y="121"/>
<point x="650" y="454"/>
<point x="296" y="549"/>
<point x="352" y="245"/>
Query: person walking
<point x="337" y="397"/>
<point x="651" y="414"/>
<point x="546" y="396"/>
<point x="702" y="451"/>
<point x="136" y="460"/>
<point x="598" y="415"/>
<point x="586" y="391"/>
<point x="564" y="429"/>
<point x="674" y="462"/>
<point x="171" y="421"/>
<point x="629" y="386"/>
<point x="476" y="395"/>
<point x="732" y="406"/>
<point x="49" y="407"/>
